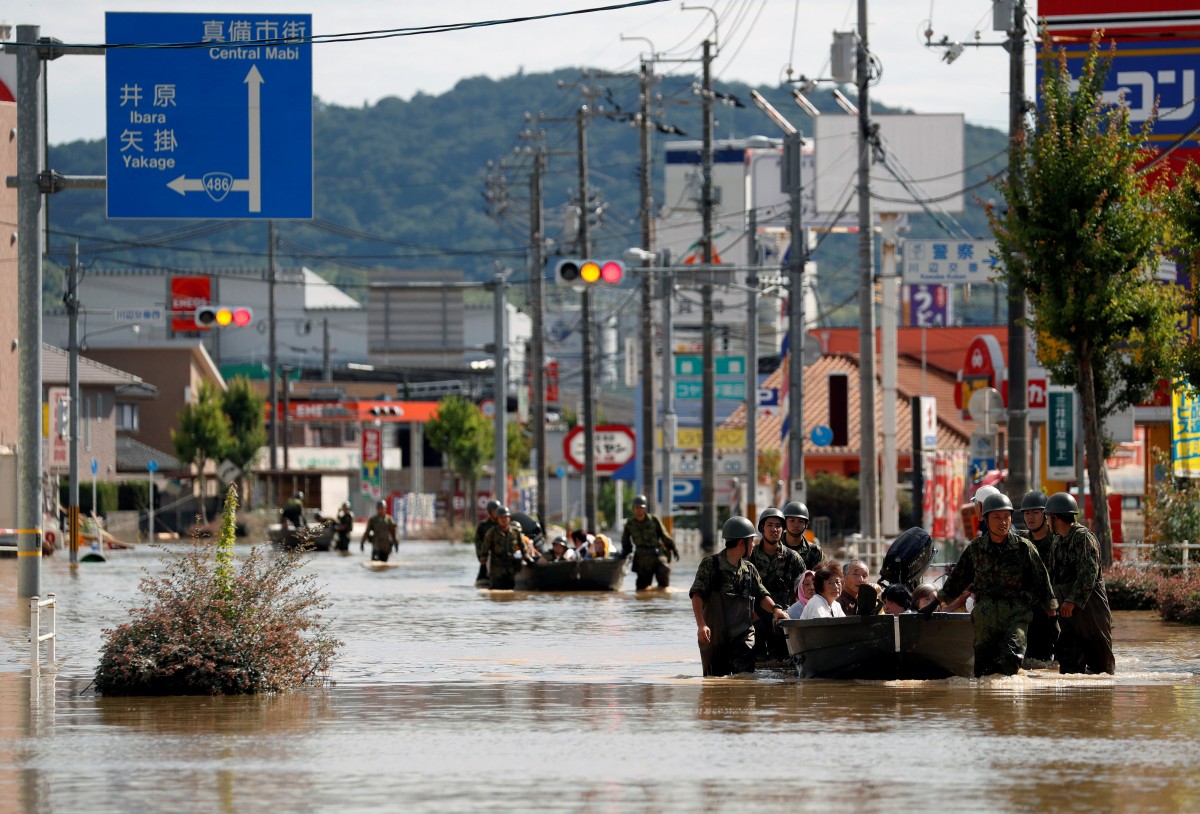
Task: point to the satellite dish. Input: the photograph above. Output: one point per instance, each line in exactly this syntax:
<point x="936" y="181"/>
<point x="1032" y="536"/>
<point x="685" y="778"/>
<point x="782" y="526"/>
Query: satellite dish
<point x="987" y="409"/>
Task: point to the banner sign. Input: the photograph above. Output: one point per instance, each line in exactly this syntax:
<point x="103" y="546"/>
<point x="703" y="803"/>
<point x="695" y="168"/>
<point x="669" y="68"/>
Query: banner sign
<point x="1060" y="433"/>
<point x="188" y="294"/>
<point x="371" y="476"/>
<point x="1185" y="432"/>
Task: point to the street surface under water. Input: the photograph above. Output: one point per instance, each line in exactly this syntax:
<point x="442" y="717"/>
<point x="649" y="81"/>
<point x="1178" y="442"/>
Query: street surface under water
<point x="447" y="699"/>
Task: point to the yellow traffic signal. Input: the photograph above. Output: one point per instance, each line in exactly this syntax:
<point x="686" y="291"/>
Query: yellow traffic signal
<point x="581" y="273"/>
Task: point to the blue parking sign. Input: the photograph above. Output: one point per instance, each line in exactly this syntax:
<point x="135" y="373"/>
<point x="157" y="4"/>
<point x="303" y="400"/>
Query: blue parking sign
<point x="209" y="115"/>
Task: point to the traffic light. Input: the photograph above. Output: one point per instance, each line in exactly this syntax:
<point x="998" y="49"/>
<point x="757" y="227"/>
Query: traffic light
<point x="222" y="316"/>
<point x="584" y="273"/>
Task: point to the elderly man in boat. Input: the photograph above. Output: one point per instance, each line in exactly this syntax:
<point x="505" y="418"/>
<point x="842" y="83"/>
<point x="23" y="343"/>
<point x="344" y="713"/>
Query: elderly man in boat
<point x="724" y="595"/>
<point x="1008" y="580"/>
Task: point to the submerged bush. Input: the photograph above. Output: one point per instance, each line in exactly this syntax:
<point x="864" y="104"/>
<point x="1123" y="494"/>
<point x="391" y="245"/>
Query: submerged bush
<point x="210" y="626"/>
<point x="1132" y="588"/>
<point x="1179" y="598"/>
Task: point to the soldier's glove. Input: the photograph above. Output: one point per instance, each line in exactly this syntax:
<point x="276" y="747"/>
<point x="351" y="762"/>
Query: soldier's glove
<point x="362" y="546"/>
<point x="395" y="547"/>
<point x="675" y="554"/>
<point x="929" y="608"/>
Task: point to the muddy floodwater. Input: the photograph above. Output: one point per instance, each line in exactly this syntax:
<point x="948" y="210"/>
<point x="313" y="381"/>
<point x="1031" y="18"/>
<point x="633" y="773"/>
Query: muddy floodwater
<point x="448" y="699"/>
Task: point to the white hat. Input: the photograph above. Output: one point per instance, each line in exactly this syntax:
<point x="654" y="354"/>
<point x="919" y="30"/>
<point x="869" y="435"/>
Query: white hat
<point x="983" y="493"/>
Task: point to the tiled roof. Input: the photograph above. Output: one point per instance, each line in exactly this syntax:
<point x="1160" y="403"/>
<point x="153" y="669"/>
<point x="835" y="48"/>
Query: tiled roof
<point x="134" y="456"/>
<point x="953" y="431"/>
<point x="56" y="370"/>
<point x="943" y="348"/>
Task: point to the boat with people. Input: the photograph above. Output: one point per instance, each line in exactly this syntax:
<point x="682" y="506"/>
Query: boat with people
<point x="903" y="646"/>
<point x="314" y="537"/>
<point x="573" y="575"/>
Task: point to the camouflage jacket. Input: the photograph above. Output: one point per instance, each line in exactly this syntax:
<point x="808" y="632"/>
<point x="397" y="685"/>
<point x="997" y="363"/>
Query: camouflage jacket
<point x="717" y="575"/>
<point x="500" y="545"/>
<point x="645" y="535"/>
<point x="1043" y="546"/>
<point x="809" y="552"/>
<point x="480" y="533"/>
<point x="1075" y="565"/>
<point x="1008" y="570"/>
<point x="779" y="573"/>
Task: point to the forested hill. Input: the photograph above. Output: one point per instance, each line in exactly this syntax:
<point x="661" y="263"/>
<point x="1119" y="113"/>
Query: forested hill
<point x="406" y="183"/>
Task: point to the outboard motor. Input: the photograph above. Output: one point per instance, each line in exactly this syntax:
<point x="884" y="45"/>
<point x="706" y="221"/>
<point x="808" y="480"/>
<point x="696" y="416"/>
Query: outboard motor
<point x="907" y="558"/>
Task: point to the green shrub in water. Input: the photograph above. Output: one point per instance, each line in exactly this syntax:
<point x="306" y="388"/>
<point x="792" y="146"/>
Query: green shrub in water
<point x="210" y="626"/>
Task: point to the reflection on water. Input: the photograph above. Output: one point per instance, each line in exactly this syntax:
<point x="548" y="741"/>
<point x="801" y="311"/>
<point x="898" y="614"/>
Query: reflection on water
<point x="452" y="699"/>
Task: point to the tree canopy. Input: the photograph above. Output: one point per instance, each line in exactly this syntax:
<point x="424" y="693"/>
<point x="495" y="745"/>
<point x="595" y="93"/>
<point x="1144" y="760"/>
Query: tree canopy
<point x="203" y="434"/>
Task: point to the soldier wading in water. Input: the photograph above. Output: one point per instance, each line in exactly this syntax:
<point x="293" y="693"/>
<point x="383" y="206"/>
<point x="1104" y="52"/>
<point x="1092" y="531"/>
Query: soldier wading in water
<point x="1085" y="643"/>
<point x="652" y="547"/>
<point x="504" y="549"/>
<point x="779" y="567"/>
<point x="724" y="595"/>
<point x="1009" y="579"/>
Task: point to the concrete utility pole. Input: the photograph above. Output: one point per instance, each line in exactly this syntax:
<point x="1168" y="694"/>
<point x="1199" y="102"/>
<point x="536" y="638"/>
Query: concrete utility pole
<point x="708" y="471"/>
<point x="71" y="300"/>
<point x="589" y="417"/>
<point x="793" y="158"/>
<point x="868" y="477"/>
<point x="646" y="212"/>
<point x="537" y="348"/>
<point x="500" y="433"/>
<point x="752" y="368"/>
<point x="272" y="365"/>
<point x="31" y="157"/>
<point x="1018" y="374"/>
<point x="668" y="393"/>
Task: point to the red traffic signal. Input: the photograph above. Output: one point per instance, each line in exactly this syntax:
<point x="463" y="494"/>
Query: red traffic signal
<point x="585" y="272"/>
<point x="221" y="316"/>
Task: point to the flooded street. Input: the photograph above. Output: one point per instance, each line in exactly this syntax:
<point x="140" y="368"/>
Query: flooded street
<point x="446" y="698"/>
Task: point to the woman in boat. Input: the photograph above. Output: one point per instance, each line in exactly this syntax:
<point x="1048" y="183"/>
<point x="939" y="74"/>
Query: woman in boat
<point x="602" y="547"/>
<point x="804" y="592"/>
<point x="827" y="582"/>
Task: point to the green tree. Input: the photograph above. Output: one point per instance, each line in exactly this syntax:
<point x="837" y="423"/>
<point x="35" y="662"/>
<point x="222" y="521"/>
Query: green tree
<point x="247" y="424"/>
<point x="1081" y="235"/>
<point x="1184" y="207"/>
<point x="519" y="446"/>
<point x="203" y="434"/>
<point x="464" y="436"/>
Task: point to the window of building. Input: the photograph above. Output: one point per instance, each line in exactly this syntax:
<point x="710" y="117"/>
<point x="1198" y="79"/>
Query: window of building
<point x="127" y="417"/>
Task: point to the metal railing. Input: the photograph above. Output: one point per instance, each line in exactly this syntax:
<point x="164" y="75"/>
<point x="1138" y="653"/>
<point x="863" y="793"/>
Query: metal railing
<point x="1185" y="548"/>
<point x="36" y="637"/>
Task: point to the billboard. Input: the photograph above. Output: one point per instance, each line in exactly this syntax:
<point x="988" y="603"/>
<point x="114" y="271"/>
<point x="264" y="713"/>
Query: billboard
<point x="188" y="294"/>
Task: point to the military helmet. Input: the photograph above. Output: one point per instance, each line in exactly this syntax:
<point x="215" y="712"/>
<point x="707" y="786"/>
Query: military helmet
<point x="562" y="541"/>
<point x="299" y="496"/>
<point x="1033" y="500"/>
<point x="381" y="504"/>
<point x="737" y="528"/>
<point x="640" y="500"/>
<point x="983" y="493"/>
<point x="998" y="502"/>
<point x="795" y="509"/>
<point x="502" y="511"/>
<point x="1061" y="503"/>
<point x="347" y="505"/>
<point x="767" y="513"/>
<point x="493" y="504"/>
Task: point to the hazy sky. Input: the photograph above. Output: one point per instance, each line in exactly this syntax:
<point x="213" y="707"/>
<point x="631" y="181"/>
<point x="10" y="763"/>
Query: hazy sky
<point x="755" y="39"/>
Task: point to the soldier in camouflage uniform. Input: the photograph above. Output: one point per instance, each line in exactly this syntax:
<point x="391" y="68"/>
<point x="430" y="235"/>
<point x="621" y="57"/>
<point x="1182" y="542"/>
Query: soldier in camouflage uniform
<point x="797" y="537"/>
<point x="1085" y="642"/>
<point x="481" y="531"/>
<point x="651" y="546"/>
<point x="1008" y="579"/>
<point x="779" y="568"/>
<point x="725" y="593"/>
<point x="501" y="544"/>
<point x="1043" y="630"/>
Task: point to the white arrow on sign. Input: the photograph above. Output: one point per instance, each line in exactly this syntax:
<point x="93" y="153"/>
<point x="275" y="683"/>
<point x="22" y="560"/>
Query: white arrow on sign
<point x="220" y="184"/>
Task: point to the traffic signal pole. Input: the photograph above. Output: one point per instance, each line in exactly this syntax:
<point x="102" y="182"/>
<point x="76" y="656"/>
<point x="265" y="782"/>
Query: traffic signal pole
<point x="646" y="211"/>
<point x="589" y="419"/>
<point x="708" y="491"/>
<point x="1018" y="375"/>
<point x="537" y="350"/>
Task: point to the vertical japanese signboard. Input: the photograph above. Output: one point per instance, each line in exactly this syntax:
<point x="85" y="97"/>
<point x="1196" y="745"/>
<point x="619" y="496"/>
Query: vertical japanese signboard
<point x="371" y="477"/>
<point x="209" y="115"/>
<point x="1060" y="433"/>
<point x="1185" y="432"/>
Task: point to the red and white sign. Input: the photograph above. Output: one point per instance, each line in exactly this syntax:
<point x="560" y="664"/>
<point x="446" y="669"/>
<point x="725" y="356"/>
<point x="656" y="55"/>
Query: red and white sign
<point x="188" y="294"/>
<point x="552" y="382"/>
<point x="982" y="367"/>
<point x="59" y="401"/>
<point x="1121" y="18"/>
<point x="371" y="477"/>
<point x="613" y="446"/>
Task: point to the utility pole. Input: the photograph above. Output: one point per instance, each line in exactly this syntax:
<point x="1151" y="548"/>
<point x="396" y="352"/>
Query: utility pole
<point x="31" y="157"/>
<point x="1018" y="374"/>
<point x="326" y="363"/>
<point x="589" y="417"/>
<point x="668" y="393"/>
<point x="71" y="300"/>
<point x="752" y="368"/>
<point x="868" y="467"/>
<point x="646" y="211"/>
<point x="793" y="161"/>
<point x="500" y="433"/>
<point x="708" y="492"/>
<point x="272" y="365"/>
<point x="537" y="349"/>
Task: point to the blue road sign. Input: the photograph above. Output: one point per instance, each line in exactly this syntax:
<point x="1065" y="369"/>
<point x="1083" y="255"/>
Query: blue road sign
<point x="95" y="466"/>
<point x="821" y="435"/>
<point x="219" y="125"/>
<point x="685" y="491"/>
<point x="152" y="466"/>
